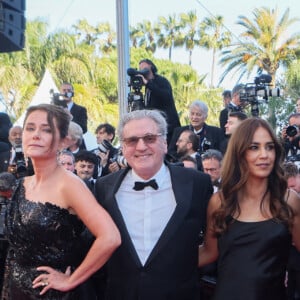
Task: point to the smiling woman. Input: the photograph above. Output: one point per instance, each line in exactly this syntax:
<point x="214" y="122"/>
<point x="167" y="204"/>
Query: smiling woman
<point x="253" y="218"/>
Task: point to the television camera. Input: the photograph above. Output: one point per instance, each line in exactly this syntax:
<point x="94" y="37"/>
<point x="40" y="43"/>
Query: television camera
<point x="135" y="96"/>
<point x="257" y="92"/>
<point x="58" y="99"/>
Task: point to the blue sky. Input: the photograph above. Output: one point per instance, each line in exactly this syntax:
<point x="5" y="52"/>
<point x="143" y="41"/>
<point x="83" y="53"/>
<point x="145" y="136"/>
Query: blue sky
<point x="63" y="14"/>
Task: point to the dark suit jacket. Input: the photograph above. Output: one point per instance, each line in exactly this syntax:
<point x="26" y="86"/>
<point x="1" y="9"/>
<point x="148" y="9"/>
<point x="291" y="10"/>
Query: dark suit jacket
<point x="5" y="125"/>
<point x="213" y="134"/>
<point x="79" y="114"/>
<point x="170" y="271"/>
<point x="223" y="117"/>
<point x="4" y="156"/>
<point x="161" y="98"/>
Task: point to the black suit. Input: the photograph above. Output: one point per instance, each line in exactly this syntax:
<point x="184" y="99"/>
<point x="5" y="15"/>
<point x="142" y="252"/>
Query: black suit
<point x="4" y="156"/>
<point x="223" y="117"/>
<point x="212" y="134"/>
<point x="170" y="271"/>
<point x="79" y="114"/>
<point x="161" y="98"/>
<point x="5" y="125"/>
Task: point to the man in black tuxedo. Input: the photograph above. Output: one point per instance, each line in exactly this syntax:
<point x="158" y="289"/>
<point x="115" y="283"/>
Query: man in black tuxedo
<point x="159" y="95"/>
<point x="159" y="209"/>
<point x="210" y="137"/>
<point x="78" y="112"/>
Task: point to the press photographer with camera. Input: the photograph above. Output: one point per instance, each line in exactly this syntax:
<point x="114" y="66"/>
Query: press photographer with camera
<point x="158" y="94"/>
<point x="106" y="152"/>
<point x="291" y="138"/>
<point x="14" y="161"/>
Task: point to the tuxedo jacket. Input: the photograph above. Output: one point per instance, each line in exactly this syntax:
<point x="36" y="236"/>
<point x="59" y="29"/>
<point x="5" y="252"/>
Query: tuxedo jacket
<point x="79" y="114"/>
<point x="170" y="272"/>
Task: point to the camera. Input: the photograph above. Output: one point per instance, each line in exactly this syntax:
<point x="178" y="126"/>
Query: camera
<point x="292" y="130"/>
<point x="205" y="145"/>
<point x="136" y="82"/>
<point x="120" y="159"/>
<point x="105" y="146"/>
<point x="135" y="97"/>
<point x="18" y="167"/>
<point x="58" y="99"/>
<point x="254" y="93"/>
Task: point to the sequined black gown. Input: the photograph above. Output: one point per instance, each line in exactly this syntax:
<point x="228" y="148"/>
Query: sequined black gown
<point x="39" y="235"/>
<point x="252" y="261"/>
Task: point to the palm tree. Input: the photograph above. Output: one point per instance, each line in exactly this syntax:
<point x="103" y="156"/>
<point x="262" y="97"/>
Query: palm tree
<point x="168" y="32"/>
<point x="189" y="22"/>
<point x="106" y="38"/>
<point x="263" y="46"/>
<point x="85" y="32"/>
<point x="143" y="35"/>
<point x="214" y="37"/>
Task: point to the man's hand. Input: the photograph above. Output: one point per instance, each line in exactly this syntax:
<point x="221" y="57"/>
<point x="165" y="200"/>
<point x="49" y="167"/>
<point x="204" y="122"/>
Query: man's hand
<point x="104" y="158"/>
<point x="113" y="167"/>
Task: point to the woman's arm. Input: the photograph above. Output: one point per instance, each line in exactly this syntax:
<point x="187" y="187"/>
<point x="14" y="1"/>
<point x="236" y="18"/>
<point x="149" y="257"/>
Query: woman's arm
<point x="294" y="201"/>
<point x="97" y="220"/>
<point x="208" y="252"/>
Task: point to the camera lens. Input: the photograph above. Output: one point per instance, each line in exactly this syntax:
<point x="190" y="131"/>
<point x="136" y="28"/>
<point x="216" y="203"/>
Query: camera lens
<point x="292" y="130"/>
<point x="105" y="146"/>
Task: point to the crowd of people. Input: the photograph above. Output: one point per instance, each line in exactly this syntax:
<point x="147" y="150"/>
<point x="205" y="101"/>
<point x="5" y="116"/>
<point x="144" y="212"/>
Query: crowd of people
<point x="168" y="212"/>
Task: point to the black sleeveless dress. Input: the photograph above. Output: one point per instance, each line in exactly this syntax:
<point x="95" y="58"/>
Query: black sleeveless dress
<point x="252" y="261"/>
<point x="39" y="235"/>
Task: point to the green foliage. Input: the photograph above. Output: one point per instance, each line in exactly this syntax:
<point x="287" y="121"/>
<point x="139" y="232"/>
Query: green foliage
<point x="86" y="56"/>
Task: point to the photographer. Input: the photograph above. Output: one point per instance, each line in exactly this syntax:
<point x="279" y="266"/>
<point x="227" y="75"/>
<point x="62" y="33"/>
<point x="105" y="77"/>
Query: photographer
<point x="16" y="163"/>
<point x="106" y="152"/>
<point x="234" y="105"/>
<point x="159" y="95"/>
<point x="291" y="138"/>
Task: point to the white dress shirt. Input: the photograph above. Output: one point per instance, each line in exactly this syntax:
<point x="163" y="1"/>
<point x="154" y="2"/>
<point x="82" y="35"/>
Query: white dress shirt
<point x="146" y="212"/>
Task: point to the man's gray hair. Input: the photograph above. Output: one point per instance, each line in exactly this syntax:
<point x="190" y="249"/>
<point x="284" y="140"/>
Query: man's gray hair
<point x="201" y="105"/>
<point x="154" y="115"/>
<point x="212" y="153"/>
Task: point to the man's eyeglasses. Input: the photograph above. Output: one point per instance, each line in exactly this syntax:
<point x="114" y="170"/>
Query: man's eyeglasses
<point x="147" y="139"/>
<point x="206" y="170"/>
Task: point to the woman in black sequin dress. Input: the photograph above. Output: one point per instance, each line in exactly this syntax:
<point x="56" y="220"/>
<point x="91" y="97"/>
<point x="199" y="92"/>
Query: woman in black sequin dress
<point x="253" y="219"/>
<point x="46" y="218"/>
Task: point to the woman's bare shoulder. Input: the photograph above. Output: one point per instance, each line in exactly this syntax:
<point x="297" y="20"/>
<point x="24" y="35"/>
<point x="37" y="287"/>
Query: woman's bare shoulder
<point x="215" y="201"/>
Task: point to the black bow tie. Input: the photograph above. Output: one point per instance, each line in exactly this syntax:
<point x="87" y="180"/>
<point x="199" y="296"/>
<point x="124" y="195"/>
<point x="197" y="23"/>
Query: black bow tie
<point x="140" y="185"/>
<point x="217" y="183"/>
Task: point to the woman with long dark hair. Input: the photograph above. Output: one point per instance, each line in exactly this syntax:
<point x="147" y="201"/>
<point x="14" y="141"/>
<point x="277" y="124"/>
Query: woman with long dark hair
<point x="253" y="219"/>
